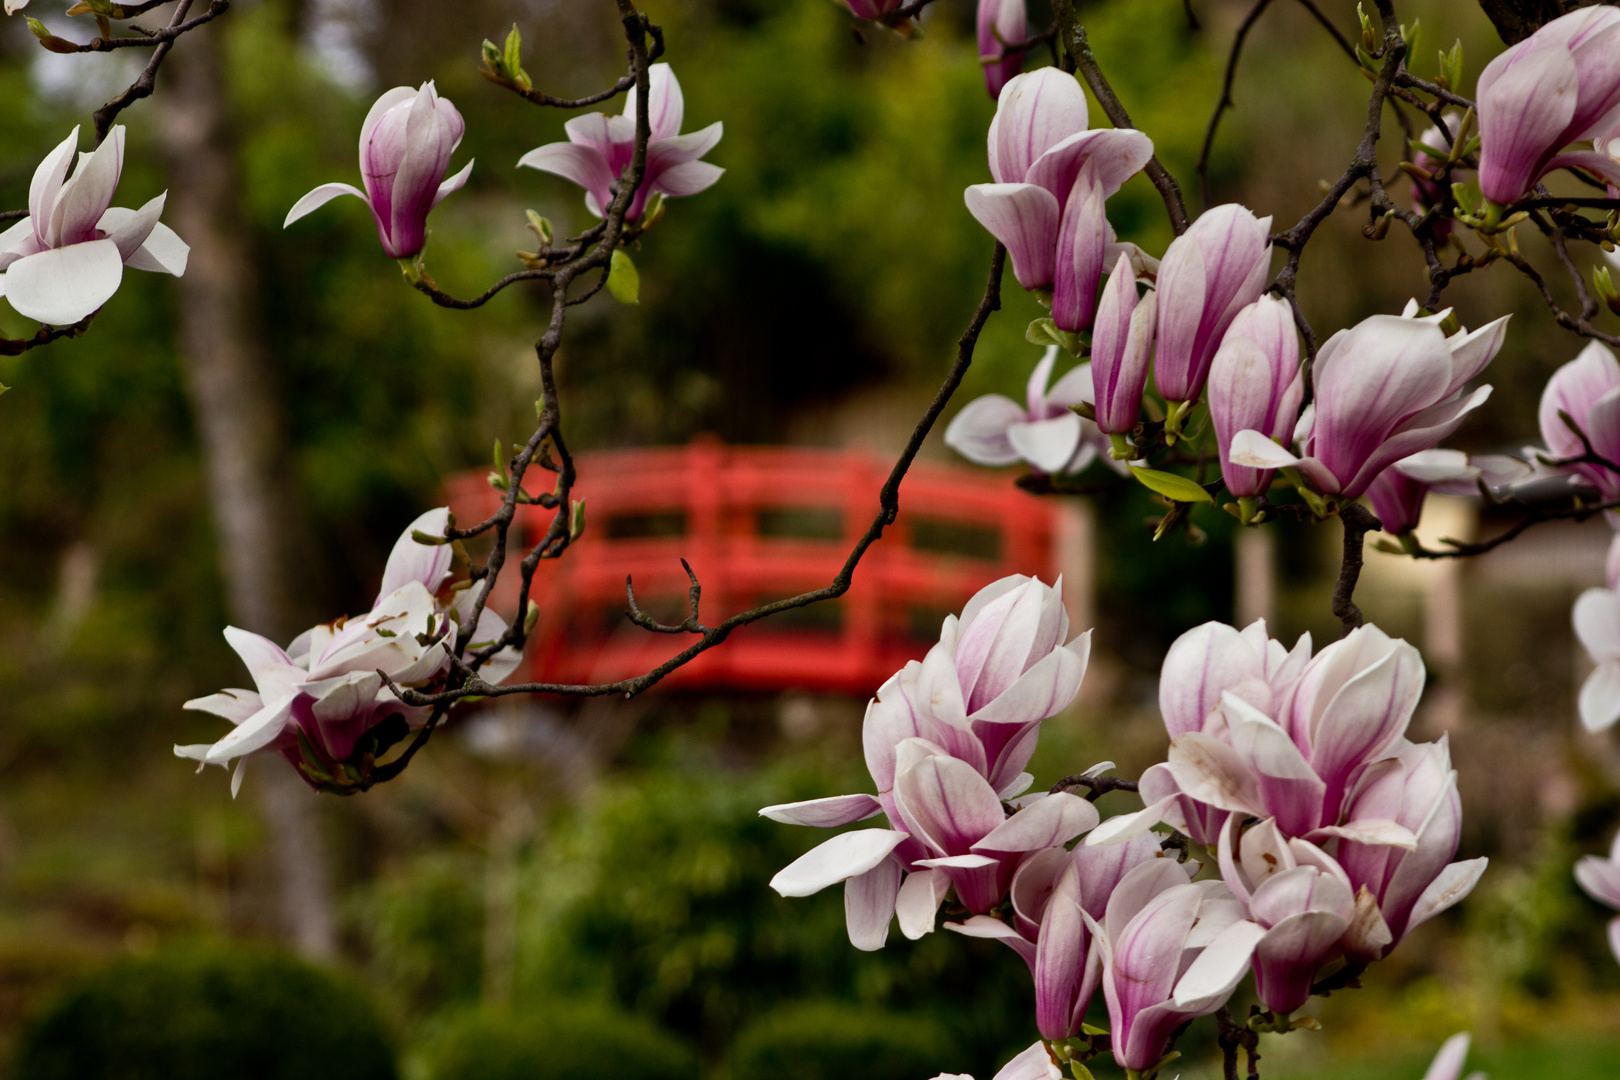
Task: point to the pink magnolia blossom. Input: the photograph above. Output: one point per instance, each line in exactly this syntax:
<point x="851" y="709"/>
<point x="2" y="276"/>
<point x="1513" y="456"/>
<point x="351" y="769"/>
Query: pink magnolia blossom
<point x="996" y="430"/>
<point x="946" y="740"/>
<point x="1597" y="624"/>
<point x="1210" y="273"/>
<point x="1587" y="389"/>
<point x="1299" y="894"/>
<point x="600" y="147"/>
<point x="1051" y="177"/>
<point x="1001" y="23"/>
<point x="1121" y="345"/>
<point x="1385" y="389"/>
<point x="1601" y="880"/>
<point x="1560" y="85"/>
<point x="325" y="686"/>
<point x="405" y="147"/>
<point x="1399" y="886"/>
<point x="1255" y="382"/>
<point x="67" y="258"/>
<point x="1202" y="665"/>
<point x="1296" y="759"/>
<point x="1170" y="950"/>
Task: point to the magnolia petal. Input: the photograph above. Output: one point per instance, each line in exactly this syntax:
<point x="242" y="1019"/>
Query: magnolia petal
<point x="454" y="184"/>
<point x="1455" y="882"/>
<point x="1035" y="112"/>
<point x="584" y="165"/>
<point x="1600" y="697"/>
<point x="1049" y="445"/>
<point x="869" y="905"/>
<point x="979" y="431"/>
<point x="1219" y="968"/>
<point x="688" y="178"/>
<point x="1211" y="771"/>
<point x="844" y="856"/>
<point x="1596" y="617"/>
<point x="1048" y="822"/>
<point x="233" y="705"/>
<point x="1601" y="880"/>
<point x="983" y="926"/>
<point x="1255" y="450"/>
<point x="130" y="228"/>
<point x="1123" y="828"/>
<point x="1033" y="1064"/>
<point x="319" y="198"/>
<point x="825" y="813"/>
<point x="163" y="253"/>
<point x="1448" y="1063"/>
<point x="255" y="733"/>
<point x="918" y="903"/>
<point x="60" y="286"/>
<point x="86" y="196"/>
<point x="411" y="561"/>
<point x="1025" y="218"/>
<point x="1368" y="831"/>
<point x="959" y="862"/>
<point x="950" y="803"/>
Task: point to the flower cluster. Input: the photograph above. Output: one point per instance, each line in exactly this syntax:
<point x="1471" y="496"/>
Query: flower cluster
<point x="1332" y="833"/>
<point x="1333" y="829"/>
<point x="322" y="703"/>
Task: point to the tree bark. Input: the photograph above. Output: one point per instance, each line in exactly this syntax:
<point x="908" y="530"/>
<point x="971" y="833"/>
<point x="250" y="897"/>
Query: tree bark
<point x="240" y="428"/>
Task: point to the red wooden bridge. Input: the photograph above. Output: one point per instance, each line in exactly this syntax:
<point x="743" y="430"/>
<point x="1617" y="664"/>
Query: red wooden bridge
<point x="758" y="524"/>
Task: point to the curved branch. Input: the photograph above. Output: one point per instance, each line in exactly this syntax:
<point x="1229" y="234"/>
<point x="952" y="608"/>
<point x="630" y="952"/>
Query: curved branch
<point x="1077" y="46"/>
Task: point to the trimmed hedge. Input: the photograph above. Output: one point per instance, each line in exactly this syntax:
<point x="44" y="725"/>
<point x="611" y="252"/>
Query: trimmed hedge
<point x="829" y="1040"/>
<point x="557" y="1041"/>
<point x="204" y="1013"/>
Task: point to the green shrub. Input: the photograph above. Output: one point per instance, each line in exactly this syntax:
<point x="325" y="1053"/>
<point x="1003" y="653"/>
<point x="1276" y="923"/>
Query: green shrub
<point x="203" y="1013"/>
<point x="557" y="1041"/>
<point x="828" y="1040"/>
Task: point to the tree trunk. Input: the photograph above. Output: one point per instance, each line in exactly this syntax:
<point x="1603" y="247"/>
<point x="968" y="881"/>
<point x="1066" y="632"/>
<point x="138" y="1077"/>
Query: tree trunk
<point x="241" y="432"/>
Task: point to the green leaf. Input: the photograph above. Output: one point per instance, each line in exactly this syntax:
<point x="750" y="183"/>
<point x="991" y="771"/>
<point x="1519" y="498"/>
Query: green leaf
<point x="1171" y="485"/>
<point x="624" y="281"/>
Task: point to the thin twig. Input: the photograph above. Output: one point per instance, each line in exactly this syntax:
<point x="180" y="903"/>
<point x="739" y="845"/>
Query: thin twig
<point x="1225" y="101"/>
<point x="1098" y="785"/>
<point x="144" y="85"/>
<point x="1077" y="47"/>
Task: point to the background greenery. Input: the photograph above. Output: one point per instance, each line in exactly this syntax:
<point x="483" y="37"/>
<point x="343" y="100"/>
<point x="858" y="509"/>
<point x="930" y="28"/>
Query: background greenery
<point x="833" y="264"/>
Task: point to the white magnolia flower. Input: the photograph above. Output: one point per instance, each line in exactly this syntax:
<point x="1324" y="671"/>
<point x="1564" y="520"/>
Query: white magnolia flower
<point x="67" y="258"/>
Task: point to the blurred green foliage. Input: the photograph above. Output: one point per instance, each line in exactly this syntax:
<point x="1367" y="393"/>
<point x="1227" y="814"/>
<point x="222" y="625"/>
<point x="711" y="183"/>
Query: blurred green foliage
<point x="205" y="1012"/>
<point x="831" y="1040"/>
<point x="556" y="1040"/>
<point x="834" y="258"/>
